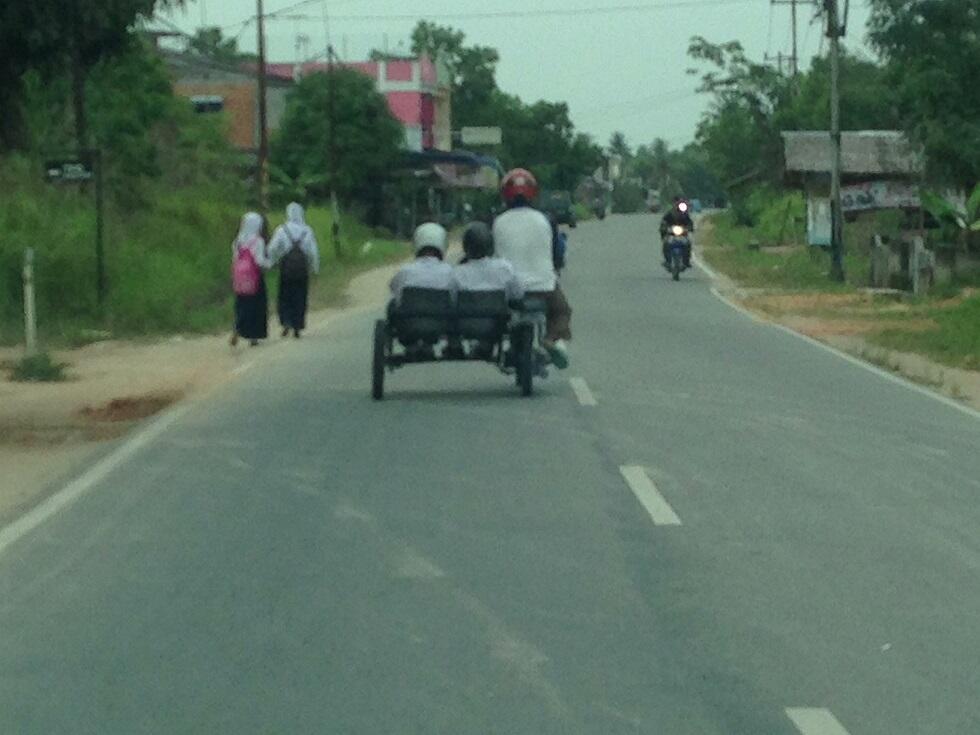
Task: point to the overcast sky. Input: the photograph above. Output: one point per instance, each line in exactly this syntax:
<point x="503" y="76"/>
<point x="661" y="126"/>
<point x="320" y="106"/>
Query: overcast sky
<point x="619" y="69"/>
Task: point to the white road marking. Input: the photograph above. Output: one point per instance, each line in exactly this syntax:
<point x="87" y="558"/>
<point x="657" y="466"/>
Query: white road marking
<point x="582" y="392"/>
<point x="737" y="307"/>
<point x="410" y="564"/>
<point x="648" y="495"/>
<point x="708" y="270"/>
<point x="75" y="489"/>
<point x="892" y="377"/>
<point x="815" y="721"/>
<point x="897" y="379"/>
<point x="242" y="369"/>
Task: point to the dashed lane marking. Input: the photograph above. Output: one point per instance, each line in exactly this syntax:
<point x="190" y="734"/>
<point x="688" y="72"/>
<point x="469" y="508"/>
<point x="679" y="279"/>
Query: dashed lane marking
<point x="649" y="496"/>
<point x="582" y="392"/>
<point x="815" y="721"/>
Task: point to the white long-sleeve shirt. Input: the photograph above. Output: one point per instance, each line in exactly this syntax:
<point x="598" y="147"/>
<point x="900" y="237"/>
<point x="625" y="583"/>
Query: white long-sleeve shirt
<point x="488" y="274"/>
<point x="302" y="235"/>
<point x="523" y="236"/>
<point x="427" y="272"/>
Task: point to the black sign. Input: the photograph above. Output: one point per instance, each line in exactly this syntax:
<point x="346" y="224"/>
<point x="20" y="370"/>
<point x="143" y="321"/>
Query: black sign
<point x="69" y="170"/>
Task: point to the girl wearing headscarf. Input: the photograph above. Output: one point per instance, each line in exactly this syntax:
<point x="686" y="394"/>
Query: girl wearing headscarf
<point x="251" y="302"/>
<point x="295" y="249"/>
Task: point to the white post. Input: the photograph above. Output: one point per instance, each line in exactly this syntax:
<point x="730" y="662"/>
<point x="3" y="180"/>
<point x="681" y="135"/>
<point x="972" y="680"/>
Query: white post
<point x="30" y="313"/>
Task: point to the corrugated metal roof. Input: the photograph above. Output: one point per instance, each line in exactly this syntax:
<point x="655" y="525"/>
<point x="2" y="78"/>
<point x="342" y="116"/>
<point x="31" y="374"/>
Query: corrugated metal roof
<point x="863" y="152"/>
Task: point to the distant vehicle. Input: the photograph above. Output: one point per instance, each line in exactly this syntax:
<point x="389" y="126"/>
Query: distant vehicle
<point x="678" y="251"/>
<point x="653" y="201"/>
<point x="559" y="205"/>
<point x="696" y="206"/>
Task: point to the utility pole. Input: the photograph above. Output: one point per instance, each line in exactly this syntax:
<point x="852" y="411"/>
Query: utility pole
<point x="794" y="57"/>
<point x="332" y="150"/>
<point x="834" y="33"/>
<point x="263" y="171"/>
<point x="779" y="59"/>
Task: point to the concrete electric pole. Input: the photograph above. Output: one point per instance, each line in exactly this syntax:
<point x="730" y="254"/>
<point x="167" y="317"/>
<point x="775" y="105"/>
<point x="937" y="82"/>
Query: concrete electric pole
<point x="834" y="32"/>
<point x="263" y="163"/>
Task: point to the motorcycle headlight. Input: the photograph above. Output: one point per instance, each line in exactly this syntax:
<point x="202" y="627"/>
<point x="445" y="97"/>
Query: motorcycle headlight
<point x="678" y="230"/>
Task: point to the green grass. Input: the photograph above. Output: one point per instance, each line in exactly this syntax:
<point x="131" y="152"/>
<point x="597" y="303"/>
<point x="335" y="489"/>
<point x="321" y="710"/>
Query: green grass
<point x="955" y="341"/>
<point x="167" y="263"/>
<point x="744" y="254"/>
<point x="38" y="368"/>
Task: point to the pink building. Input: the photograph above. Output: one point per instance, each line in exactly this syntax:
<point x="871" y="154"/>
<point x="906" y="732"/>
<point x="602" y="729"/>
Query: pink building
<point x="417" y="90"/>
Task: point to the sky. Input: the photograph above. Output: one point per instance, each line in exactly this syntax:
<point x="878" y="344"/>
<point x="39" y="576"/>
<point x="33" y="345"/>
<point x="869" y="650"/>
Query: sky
<point x="621" y="65"/>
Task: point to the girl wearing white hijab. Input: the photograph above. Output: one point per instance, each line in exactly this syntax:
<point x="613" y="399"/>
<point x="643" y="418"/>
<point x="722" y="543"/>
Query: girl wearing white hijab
<point x="251" y="311"/>
<point x="295" y="249"/>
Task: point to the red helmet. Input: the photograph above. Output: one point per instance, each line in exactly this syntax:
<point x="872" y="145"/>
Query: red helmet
<point x="519" y="183"/>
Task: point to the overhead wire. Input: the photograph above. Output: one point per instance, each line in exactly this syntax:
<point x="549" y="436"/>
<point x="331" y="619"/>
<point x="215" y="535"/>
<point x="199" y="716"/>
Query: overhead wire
<point x="517" y="14"/>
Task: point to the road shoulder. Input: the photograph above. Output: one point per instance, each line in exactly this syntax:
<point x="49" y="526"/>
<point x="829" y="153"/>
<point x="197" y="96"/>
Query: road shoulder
<point x="50" y="432"/>
<point x="848" y="323"/>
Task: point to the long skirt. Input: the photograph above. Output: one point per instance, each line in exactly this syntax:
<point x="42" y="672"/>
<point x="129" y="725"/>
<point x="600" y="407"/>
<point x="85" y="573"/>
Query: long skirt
<point x="293" y="300"/>
<point x="252" y="314"/>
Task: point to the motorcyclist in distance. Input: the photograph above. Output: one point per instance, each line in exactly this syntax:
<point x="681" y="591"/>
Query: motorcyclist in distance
<point x="524" y="236"/>
<point x="679" y="214"/>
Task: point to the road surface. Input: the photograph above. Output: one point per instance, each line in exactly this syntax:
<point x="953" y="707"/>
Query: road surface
<point x="716" y="528"/>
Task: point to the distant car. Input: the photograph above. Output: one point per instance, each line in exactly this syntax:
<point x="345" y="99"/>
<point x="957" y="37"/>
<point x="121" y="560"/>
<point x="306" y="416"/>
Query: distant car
<point x="559" y="205"/>
<point x="696" y="206"/>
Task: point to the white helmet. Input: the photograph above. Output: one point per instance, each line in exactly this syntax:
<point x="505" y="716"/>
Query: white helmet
<point x="431" y="235"/>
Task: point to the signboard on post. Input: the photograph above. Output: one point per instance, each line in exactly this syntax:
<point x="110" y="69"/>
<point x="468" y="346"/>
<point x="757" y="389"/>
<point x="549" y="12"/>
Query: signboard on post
<point x="81" y="169"/>
<point x="69" y="171"/>
<point x="481" y="136"/>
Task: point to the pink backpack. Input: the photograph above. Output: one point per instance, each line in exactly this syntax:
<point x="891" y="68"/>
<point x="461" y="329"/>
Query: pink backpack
<point x="245" y="273"/>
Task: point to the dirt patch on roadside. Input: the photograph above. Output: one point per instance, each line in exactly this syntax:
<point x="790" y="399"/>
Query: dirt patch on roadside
<point x="824" y="327"/>
<point x="130" y="408"/>
<point x="51" y="431"/>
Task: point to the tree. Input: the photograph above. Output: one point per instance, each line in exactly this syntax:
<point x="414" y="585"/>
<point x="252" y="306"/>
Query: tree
<point x="868" y="100"/>
<point x="211" y="43"/>
<point x="368" y="138"/>
<point x="473" y="69"/>
<point x="619" y="146"/>
<point x="931" y="49"/>
<point x="739" y="132"/>
<point x="49" y="36"/>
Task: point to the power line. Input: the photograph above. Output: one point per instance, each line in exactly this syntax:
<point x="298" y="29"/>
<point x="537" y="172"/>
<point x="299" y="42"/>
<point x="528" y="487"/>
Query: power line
<point x="512" y="14"/>
<point x="671" y="97"/>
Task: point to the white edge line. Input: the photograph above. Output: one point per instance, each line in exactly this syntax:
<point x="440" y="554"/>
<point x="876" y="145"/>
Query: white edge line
<point x="12" y="533"/>
<point x="242" y="369"/>
<point x="815" y="721"/>
<point x="892" y="377"/>
<point x="709" y="271"/>
<point x="737" y="307"/>
<point x="582" y="392"/>
<point x="648" y="495"/>
<point x="897" y="379"/>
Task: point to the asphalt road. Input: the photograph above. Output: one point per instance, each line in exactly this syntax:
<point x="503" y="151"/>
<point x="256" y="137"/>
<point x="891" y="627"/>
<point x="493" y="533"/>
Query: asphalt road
<point x="746" y="535"/>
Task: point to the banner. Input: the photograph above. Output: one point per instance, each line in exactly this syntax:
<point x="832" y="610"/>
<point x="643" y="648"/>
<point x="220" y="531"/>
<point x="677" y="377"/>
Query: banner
<point x="880" y="195"/>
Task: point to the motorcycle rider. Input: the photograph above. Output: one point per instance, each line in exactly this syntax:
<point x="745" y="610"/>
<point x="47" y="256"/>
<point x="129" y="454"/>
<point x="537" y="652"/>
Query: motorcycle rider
<point x="524" y="236"/>
<point x="679" y="214"/>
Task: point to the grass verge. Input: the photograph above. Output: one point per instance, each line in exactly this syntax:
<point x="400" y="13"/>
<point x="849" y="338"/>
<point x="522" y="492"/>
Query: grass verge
<point x="794" y="285"/>
<point x="39" y="368"/>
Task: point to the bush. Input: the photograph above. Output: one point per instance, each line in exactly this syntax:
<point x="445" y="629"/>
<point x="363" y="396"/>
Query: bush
<point x="628" y="198"/>
<point x="39" y="368"/>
